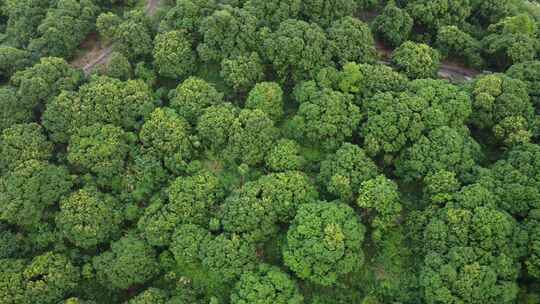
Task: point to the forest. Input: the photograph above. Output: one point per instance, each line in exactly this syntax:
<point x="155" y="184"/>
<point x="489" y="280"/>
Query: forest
<point x="269" y="152"/>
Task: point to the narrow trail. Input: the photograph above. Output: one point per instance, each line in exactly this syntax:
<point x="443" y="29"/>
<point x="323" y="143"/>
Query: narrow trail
<point x="98" y="54"/>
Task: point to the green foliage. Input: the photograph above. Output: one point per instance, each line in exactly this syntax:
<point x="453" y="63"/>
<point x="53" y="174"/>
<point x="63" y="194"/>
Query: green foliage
<point x="324" y="242"/>
<point x="23" y="19"/>
<point x="186" y="244"/>
<point x="528" y="72"/>
<point x="267" y="97"/>
<point x="214" y="126"/>
<point x="130" y="261"/>
<point x="284" y="156"/>
<point x="119" y="67"/>
<point x="325" y="118"/>
<point x="297" y="50"/>
<point x="11" y="111"/>
<point x="324" y="12"/>
<point x="393" y="25"/>
<point x="192" y="97"/>
<point x="273" y="13"/>
<point x="150" y="296"/>
<point x="133" y="36"/>
<point x="88" y="218"/>
<point x="23" y="142"/>
<point x="266" y="285"/>
<point x="343" y="172"/>
<point x="13" y="60"/>
<point x="174" y="56"/>
<point x="186" y="15"/>
<point x="106" y="24"/>
<point x="352" y="41"/>
<point x="11" y="281"/>
<point x="242" y="72"/>
<point x="454" y="43"/>
<point x="29" y="189"/>
<point x="416" y="60"/>
<point x="443" y="148"/>
<point x="434" y="14"/>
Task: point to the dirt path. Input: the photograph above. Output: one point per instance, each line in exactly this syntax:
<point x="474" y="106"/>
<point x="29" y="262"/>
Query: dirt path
<point x="96" y="54"/>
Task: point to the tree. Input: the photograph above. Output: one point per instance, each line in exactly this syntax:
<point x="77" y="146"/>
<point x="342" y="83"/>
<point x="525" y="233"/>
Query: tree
<point x="100" y="150"/>
<point x="49" y="277"/>
<point x="297" y="50"/>
<point x="267" y="97"/>
<point x="11" y="281"/>
<point x="103" y="100"/>
<point x="416" y="60"/>
<point x="186" y="244"/>
<point x="150" y="295"/>
<point x="266" y="285"/>
<point x="88" y="217"/>
<point x="166" y="133"/>
<point x="106" y="24"/>
<point x="499" y="100"/>
<point x="393" y="25"/>
<point x="133" y="37"/>
<point x="528" y="73"/>
<point x="12" y="112"/>
<point x="380" y="195"/>
<point x="324" y="12"/>
<point x="29" y="189"/>
<point x="118" y="67"/>
<point x="174" y="56"/>
<point x="272" y="13"/>
<point x="397" y="120"/>
<point x="215" y="126"/>
<point x="192" y="97"/>
<point x="228" y="33"/>
<point x="12" y="60"/>
<point x="187" y="15"/>
<point x="23" y="19"/>
<point x="434" y="14"/>
<point x="443" y="148"/>
<point x="23" y="142"/>
<point x="452" y="42"/>
<point x="130" y="261"/>
<point x="343" y="172"/>
<point x="324" y="242"/>
<point x="491" y="11"/>
<point x="325" y="118"/>
<point x="352" y="41"/>
<point x="242" y="72"/>
<point x="285" y="156"/>
<point x="533" y="261"/>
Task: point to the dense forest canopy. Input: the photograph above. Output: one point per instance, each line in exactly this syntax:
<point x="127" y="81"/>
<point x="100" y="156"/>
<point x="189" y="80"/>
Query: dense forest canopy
<point x="269" y="151"/>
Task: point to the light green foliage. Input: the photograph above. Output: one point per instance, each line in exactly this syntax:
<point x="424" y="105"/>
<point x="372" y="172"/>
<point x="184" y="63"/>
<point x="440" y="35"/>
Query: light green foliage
<point x="267" y="97"/>
<point x="228" y="33"/>
<point x="396" y="120"/>
<point x="297" y="50"/>
<point x="434" y="14"/>
<point x="266" y="285"/>
<point x="23" y="142"/>
<point x="499" y="102"/>
<point x="133" y="37"/>
<point x="272" y="13"/>
<point x="393" y="25"/>
<point x="416" y="60"/>
<point x="88" y="218"/>
<point x="29" y="189"/>
<point x="13" y="60"/>
<point x="150" y="296"/>
<point x="186" y="244"/>
<point x="324" y="242"/>
<point x="65" y="27"/>
<point x="103" y="100"/>
<point x="454" y="43"/>
<point x="440" y="186"/>
<point x="471" y="252"/>
<point x="324" y="12"/>
<point x="43" y="81"/>
<point x="214" y="126"/>
<point x="11" y="281"/>
<point x="174" y="56"/>
<point x="49" y="277"/>
<point x="166" y="133"/>
<point x="242" y="72"/>
<point x="228" y="256"/>
<point x="380" y="196"/>
<point x="533" y="260"/>
<point x="343" y="172"/>
<point x="529" y="73"/>
<point x="443" y="148"/>
<point x="130" y="261"/>
<point x="192" y="97"/>
<point x="106" y="24"/>
<point x="285" y="156"/>
<point x="325" y="118"/>
<point x="352" y="41"/>
<point x="118" y="67"/>
<point x="100" y="150"/>
<point x="186" y="15"/>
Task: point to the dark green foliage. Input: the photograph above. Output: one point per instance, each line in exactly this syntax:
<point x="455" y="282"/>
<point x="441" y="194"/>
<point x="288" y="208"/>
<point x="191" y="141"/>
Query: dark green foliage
<point x="266" y="285"/>
<point x="416" y="60"/>
<point x="133" y="36"/>
<point x="242" y="72"/>
<point x="130" y="261"/>
<point x="324" y="12"/>
<point x="11" y="111"/>
<point x="88" y="218"/>
<point x="174" y="56"/>
<point x="533" y="260"/>
<point x="23" y="142"/>
<point x="352" y="41"/>
<point x="325" y="118"/>
<point x="186" y="15"/>
<point x="343" y="172"/>
<point x="23" y="19"/>
<point x="393" y="25"/>
<point x="214" y="126"/>
<point x="150" y="296"/>
<point x="272" y="13"/>
<point x="434" y="14"/>
<point x="186" y="243"/>
<point x="13" y="60"/>
<point x="192" y="97"/>
<point x="528" y="72"/>
<point x="267" y="97"/>
<point x="11" y="281"/>
<point x="454" y="43"/>
<point x="443" y="148"/>
<point x="324" y="242"/>
<point x="106" y="24"/>
<point x="297" y="50"/>
<point x="118" y="67"/>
